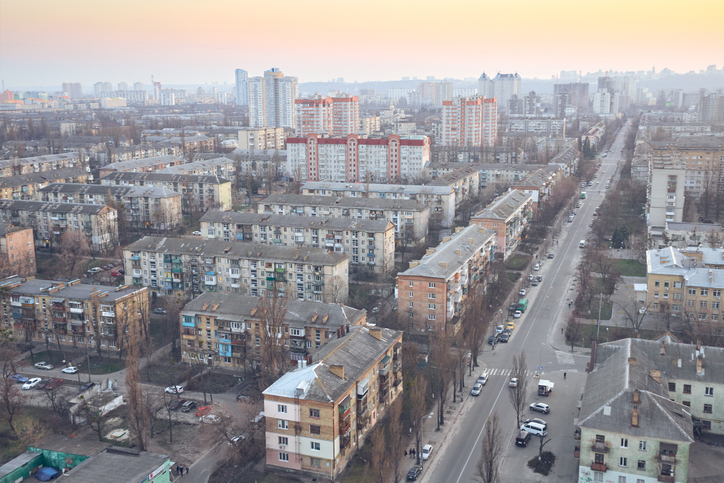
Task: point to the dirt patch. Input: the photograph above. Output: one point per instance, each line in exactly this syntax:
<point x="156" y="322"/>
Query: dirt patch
<point x="165" y="374"/>
<point x="213" y="382"/>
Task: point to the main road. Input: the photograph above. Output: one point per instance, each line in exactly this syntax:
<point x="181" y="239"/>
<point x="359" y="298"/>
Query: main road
<point x="535" y="334"/>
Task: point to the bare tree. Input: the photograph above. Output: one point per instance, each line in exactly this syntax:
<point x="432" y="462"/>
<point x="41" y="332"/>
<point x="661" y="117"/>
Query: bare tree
<point x="492" y="450"/>
<point x="518" y="394"/>
<point x="59" y="400"/>
<point x="573" y="331"/>
<point x="92" y="411"/>
<point x="153" y="405"/>
<point x="418" y="407"/>
<point x="475" y="323"/>
<point x="394" y="435"/>
<point x="11" y="400"/>
<point x="138" y="417"/>
<point x="74" y="247"/>
<point x="31" y="430"/>
<point x="440" y="372"/>
<point x="378" y="453"/>
<point x="272" y="312"/>
<point x="634" y="316"/>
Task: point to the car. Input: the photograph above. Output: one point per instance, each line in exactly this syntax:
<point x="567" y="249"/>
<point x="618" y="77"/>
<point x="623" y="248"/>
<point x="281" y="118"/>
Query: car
<point x="578" y="204"/>
<point x="121" y="271"/>
<point x="188" y="406"/>
<point x="375" y="309"/>
<point x="69" y="370"/>
<point x="482" y="379"/>
<point x="235" y="440"/>
<point x="159" y="310"/>
<point x="202" y="411"/>
<point x="209" y="418"/>
<point x="176" y="404"/>
<point x="505" y="338"/>
<point x="539" y="278"/>
<point x="493" y="339"/>
<point x="513" y="382"/>
<point x="19" y="378"/>
<point x="536" y="421"/>
<point x="31" y="383"/>
<point x="475" y="391"/>
<point x="521" y="292"/>
<point x="87" y="386"/>
<point x="174" y="390"/>
<point x="512" y="307"/>
<point x="595" y="213"/>
<point x="116" y="273"/>
<point x="590" y="183"/>
<point x="94" y="270"/>
<point x="534" y="283"/>
<point x="530" y="277"/>
<point x="517" y="314"/>
<point x="414" y="473"/>
<point x="54" y="384"/>
<point x="536" y="267"/>
<point x="522" y="438"/>
<point x="590" y="224"/>
<point x="197" y="233"/>
<point x="499" y="329"/>
<point x="540" y="407"/>
<point x="510" y="326"/>
<point x="43" y="365"/>
<point x="43" y="383"/>
<point x="550" y="255"/>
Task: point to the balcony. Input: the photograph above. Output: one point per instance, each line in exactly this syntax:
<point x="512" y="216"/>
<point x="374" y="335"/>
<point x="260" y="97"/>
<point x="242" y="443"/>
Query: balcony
<point x="599" y="467"/>
<point x="76" y="310"/>
<point x="77" y="322"/>
<point x="384" y="367"/>
<point x="600" y="447"/>
<point x="106" y="313"/>
<point x="396" y="366"/>
<point x="666" y="478"/>
<point x="667" y="459"/>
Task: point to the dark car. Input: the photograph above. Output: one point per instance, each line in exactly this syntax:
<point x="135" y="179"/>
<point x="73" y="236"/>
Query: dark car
<point x="534" y="283"/>
<point x="522" y="438"/>
<point x="550" y="255"/>
<point x="87" y="386"/>
<point x="504" y="338"/>
<point x="414" y="473"/>
<point x="43" y="383"/>
<point x="493" y="339"/>
<point x="539" y="278"/>
<point x="54" y="383"/>
<point x="175" y="404"/>
<point x="512" y="308"/>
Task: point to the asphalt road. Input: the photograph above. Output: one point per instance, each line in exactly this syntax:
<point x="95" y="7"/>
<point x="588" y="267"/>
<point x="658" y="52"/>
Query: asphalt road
<point x="538" y="334"/>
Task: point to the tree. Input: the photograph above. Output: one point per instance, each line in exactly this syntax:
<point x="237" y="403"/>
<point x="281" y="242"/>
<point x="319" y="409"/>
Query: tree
<point x="573" y="331"/>
<point x="11" y="400"/>
<point x="418" y="407"/>
<point x="73" y="248"/>
<point x="378" y="453"/>
<point x="58" y="400"/>
<point x="492" y="450"/>
<point x="92" y="411"/>
<point x="440" y="371"/>
<point x="633" y="315"/>
<point x="394" y="435"/>
<point x="518" y="394"/>
<point x="153" y="404"/>
<point x="272" y="312"/>
<point x="30" y="430"/>
<point x="475" y="323"/>
<point x="137" y="416"/>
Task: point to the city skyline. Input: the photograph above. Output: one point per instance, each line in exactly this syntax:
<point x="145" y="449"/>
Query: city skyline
<point x="385" y="41"/>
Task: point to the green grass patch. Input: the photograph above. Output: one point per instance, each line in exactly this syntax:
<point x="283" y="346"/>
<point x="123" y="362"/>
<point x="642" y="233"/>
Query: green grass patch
<point x="105" y="366"/>
<point x="631" y="268"/>
<point x="512" y="276"/>
<point x="517" y="262"/>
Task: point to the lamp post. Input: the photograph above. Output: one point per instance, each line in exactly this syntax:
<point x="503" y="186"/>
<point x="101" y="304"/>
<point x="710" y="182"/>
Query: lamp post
<point x="598" y="324"/>
<point x="422" y="433"/>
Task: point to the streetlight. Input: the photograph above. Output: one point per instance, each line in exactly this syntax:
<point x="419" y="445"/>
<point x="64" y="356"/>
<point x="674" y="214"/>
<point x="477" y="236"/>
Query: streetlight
<point x="422" y="434"/>
<point x="598" y="324"/>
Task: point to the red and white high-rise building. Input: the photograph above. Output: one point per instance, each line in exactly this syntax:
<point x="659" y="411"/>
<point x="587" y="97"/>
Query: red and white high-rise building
<point x="348" y="159"/>
<point x="335" y="116"/>
<point x="469" y="121"/>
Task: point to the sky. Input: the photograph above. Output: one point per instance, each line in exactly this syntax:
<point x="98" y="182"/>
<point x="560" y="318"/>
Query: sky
<point x="47" y="42"/>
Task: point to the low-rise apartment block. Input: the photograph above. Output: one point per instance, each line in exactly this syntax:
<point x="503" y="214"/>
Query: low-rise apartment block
<point x="507" y="216"/>
<point x="411" y="218"/>
<point x="432" y="292"/>
<point x="222" y="167"/>
<point x="50" y="220"/>
<point x="318" y="415"/>
<point x="539" y="185"/>
<point x="145" y="165"/>
<point x="192" y="266"/>
<point x="26" y="186"/>
<point x="17" y="251"/>
<point x="227" y="328"/>
<point x="465" y="181"/>
<point x="538" y="125"/>
<point x="94" y="316"/>
<point x="273" y="138"/>
<point x="155" y="208"/>
<point x="198" y="192"/>
<point x="39" y="164"/>
<point x="370" y="244"/>
<point x="442" y="199"/>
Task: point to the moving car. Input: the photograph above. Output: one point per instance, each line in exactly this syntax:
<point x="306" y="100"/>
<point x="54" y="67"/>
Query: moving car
<point x="414" y="472"/>
<point x="176" y="404"/>
<point x="43" y="365"/>
<point x="69" y="370"/>
<point x="174" y="390"/>
<point x="550" y="255"/>
<point x="426" y="452"/>
<point x="375" y="309"/>
<point x="482" y="379"/>
<point x="540" y="407"/>
<point x="517" y="314"/>
<point x="31" y="383"/>
<point x="534" y="283"/>
<point x="539" y="278"/>
<point x="95" y="270"/>
<point x="159" y="310"/>
<point x="196" y="233"/>
<point x="475" y="391"/>
<point x="19" y="378"/>
<point x="522" y="438"/>
<point x="513" y="382"/>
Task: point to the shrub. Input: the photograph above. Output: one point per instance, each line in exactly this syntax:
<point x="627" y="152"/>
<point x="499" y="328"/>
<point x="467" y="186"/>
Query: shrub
<point x="544" y="464"/>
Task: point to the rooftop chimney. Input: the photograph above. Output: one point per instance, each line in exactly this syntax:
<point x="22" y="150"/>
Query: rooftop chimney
<point x="636" y="396"/>
<point x="376" y="332"/>
<point x="337" y="370"/>
<point x="663" y="348"/>
<point x="635" y="418"/>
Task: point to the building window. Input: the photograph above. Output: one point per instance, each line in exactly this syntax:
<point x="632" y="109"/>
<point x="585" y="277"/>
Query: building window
<point x="431" y="306"/>
<point x="315" y="429"/>
<point x="686" y="403"/>
<point x="707" y="408"/>
<point x="621" y="479"/>
<point x="315" y="462"/>
<point x="431" y="285"/>
<point x="412" y="284"/>
<point x="431" y="317"/>
<point x="282" y="408"/>
<point x="657" y="283"/>
<point x="598" y="458"/>
<point x="703" y="304"/>
<point x="431" y="295"/>
<point x="692" y="291"/>
<point x="314" y="413"/>
<point x="283" y="440"/>
<point x="687" y="388"/>
<point x="716" y="293"/>
<point x="412" y="294"/>
<point x="283" y="456"/>
<point x="672" y="386"/>
<point x="316" y="446"/>
<point x="282" y="424"/>
<point x="624" y="443"/>
<point x="623" y="461"/>
<point x="597" y="477"/>
<point x="656" y="294"/>
<point x="709" y="391"/>
<point x="642" y="445"/>
<point x="705" y="292"/>
<point x="706" y="424"/>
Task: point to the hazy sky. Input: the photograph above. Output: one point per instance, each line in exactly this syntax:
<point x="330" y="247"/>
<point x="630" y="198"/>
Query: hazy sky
<point x="47" y="42"/>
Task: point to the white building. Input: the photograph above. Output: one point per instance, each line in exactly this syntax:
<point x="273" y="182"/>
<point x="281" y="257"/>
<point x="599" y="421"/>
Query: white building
<point x="242" y="87"/>
<point x="504" y="87"/>
<point x="605" y="102"/>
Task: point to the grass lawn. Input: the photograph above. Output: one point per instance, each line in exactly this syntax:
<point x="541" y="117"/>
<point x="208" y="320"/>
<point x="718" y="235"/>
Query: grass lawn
<point x="53" y="356"/>
<point x="517" y="262"/>
<point x="631" y="268"/>
<point x="513" y="276"/>
<point x="105" y="366"/>
<point x="606" y="310"/>
<point x="10" y="448"/>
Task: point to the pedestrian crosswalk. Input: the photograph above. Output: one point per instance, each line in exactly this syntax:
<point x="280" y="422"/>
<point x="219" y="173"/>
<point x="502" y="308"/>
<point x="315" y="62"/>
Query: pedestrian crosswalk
<point x="564" y="357"/>
<point x="505" y="372"/>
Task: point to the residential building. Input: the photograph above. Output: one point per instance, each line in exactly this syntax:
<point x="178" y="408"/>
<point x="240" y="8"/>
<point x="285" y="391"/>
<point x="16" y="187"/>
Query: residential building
<point x="226" y="328"/>
<point x="263" y="138"/>
<point x="198" y="192"/>
<point x="485" y="86"/>
<point x="222" y="167"/>
<point x="242" y="87"/>
<point x="631" y="428"/>
<point x="38" y="164"/>
<point x="567" y="161"/>
<point x="74" y="90"/>
<point x="465" y="181"/>
<point x="504" y="87"/>
<point x="569" y="98"/>
<point x="703" y="162"/>
<point x="26" y="186"/>
<point x="682" y="235"/>
<point x="469" y="121"/>
<point x="145" y="165"/>
<point x="94" y="316"/>
<point x="194" y="266"/>
<point x="369" y="244"/>
<point x="605" y="102"/>
<point x="711" y="108"/>
<point x="271" y="100"/>
<point x="353" y="159"/>
<point x="17" y="251"/>
<point x="50" y="220"/>
<point x="411" y="218"/>
<point x="666" y="199"/>
<point x="431" y="294"/>
<point x="507" y="216"/>
<point x="318" y="415"/>
<point x="156" y="208"/>
<point x="539" y="185"/>
<point x="335" y="116"/>
<point x="442" y="199"/>
<point x="538" y="125"/>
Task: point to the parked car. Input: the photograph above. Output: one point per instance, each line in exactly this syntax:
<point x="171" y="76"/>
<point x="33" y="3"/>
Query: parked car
<point x="512" y="307"/>
<point x="522" y="292"/>
<point x="493" y="338"/>
<point x="414" y="472"/>
<point x="499" y="329"/>
<point x="510" y="326"/>
<point x="536" y="267"/>
<point x="31" y="383"/>
<point x="202" y="411"/>
<point x="517" y="314"/>
<point x="159" y="310"/>
<point x="235" y="440"/>
<point x="188" y="406"/>
<point x="116" y="273"/>
<point x="550" y="255"/>
<point x="69" y="370"/>
<point x="120" y="270"/>
<point x="54" y="384"/>
<point x="43" y="383"/>
<point x="426" y="452"/>
<point x="375" y="309"/>
<point x="590" y="223"/>
<point x="513" y="382"/>
<point x="539" y="278"/>
<point x="242" y="397"/>
<point x="174" y="390"/>
<point x="540" y="407"/>
<point x="19" y="378"/>
<point x="536" y="421"/>
<point x="176" y="404"/>
<point x="86" y="386"/>
<point x="475" y="391"/>
<point x="482" y="379"/>
<point x="505" y="338"/>
<point x="197" y="233"/>
<point x="43" y="365"/>
<point x="534" y="283"/>
<point x="530" y="278"/>
<point x="522" y="438"/>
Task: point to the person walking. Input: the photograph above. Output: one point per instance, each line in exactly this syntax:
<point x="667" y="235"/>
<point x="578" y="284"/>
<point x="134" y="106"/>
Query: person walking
<point x="564" y="375"/>
<point x="187" y="470"/>
<point x="405" y="453"/>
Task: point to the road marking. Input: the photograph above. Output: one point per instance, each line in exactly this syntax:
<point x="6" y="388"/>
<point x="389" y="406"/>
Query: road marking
<point x="564" y="357"/>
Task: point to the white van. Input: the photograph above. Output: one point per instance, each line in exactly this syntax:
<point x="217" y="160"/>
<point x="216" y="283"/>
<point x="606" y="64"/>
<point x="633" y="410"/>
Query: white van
<point x="535" y="428"/>
<point x="582" y="244"/>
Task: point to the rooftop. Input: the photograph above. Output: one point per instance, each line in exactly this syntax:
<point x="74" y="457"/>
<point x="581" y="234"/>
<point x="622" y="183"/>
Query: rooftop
<point x="120" y="177"/>
<point x="198" y="165"/>
<point x="45" y="206"/>
<point x="368" y="203"/>
<point x="116" y="466"/>
<point x="120" y="191"/>
<point x="505" y="206"/>
<point x="378" y="188"/>
<point x="64" y="290"/>
<point x="142" y="163"/>
<point x="42" y="177"/>
<point x="297" y="221"/>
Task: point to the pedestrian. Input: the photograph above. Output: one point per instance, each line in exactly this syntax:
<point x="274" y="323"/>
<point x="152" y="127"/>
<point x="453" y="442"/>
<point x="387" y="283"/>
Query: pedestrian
<point x="405" y="453"/>
<point x="187" y="470"/>
<point x="564" y="375"/>
<point x="177" y="467"/>
<point x="561" y="330"/>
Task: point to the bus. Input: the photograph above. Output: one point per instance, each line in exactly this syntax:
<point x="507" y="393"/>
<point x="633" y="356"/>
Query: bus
<point x="522" y="305"/>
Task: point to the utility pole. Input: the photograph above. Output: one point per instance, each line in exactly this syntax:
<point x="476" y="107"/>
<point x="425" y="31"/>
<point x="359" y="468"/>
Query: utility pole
<point x="598" y="325"/>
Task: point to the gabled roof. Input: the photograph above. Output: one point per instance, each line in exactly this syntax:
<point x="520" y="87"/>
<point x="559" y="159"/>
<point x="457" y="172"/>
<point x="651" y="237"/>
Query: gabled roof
<point x="367" y="203"/>
<point x="293" y="221"/>
<point x="505" y="206"/>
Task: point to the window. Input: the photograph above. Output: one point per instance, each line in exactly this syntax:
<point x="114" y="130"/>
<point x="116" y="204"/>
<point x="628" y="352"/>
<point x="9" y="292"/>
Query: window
<point x="283" y="440"/>
<point x="412" y="284"/>
<point x="677" y="284"/>
<point x="412" y="294"/>
<point x="705" y="292"/>
<point x="431" y="306"/>
<point x="716" y="293"/>
<point x="315" y="429"/>
<point x="656" y="305"/>
<point x="692" y="291"/>
<point x="624" y="443"/>
<point x="621" y="479"/>
<point x="282" y="408"/>
<point x="686" y="403"/>
<point x="687" y="388"/>
<point x="640" y="480"/>
<point x="598" y="458"/>
<point x="430" y="316"/>
<point x="283" y="456"/>
<point x="623" y="461"/>
<point x="597" y="477"/>
<point x="709" y="391"/>
<point x="315" y="446"/>
<point x="282" y="424"/>
<point x="707" y="408"/>
<point x="703" y="304"/>
<point x="672" y="386"/>
<point x="657" y="283"/>
<point x="666" y="284"/>
<point x="431" y="285"/>
<point x="642" y="445"/>
<point x="715" y="305"/>
<point x="431" y="295"/>
<point x="656" y="294"/>
<point x="313" y="413"/>
<point x="410" y="304"/>
<point x="706" y="424"/>
<point x="315" y="462"/>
